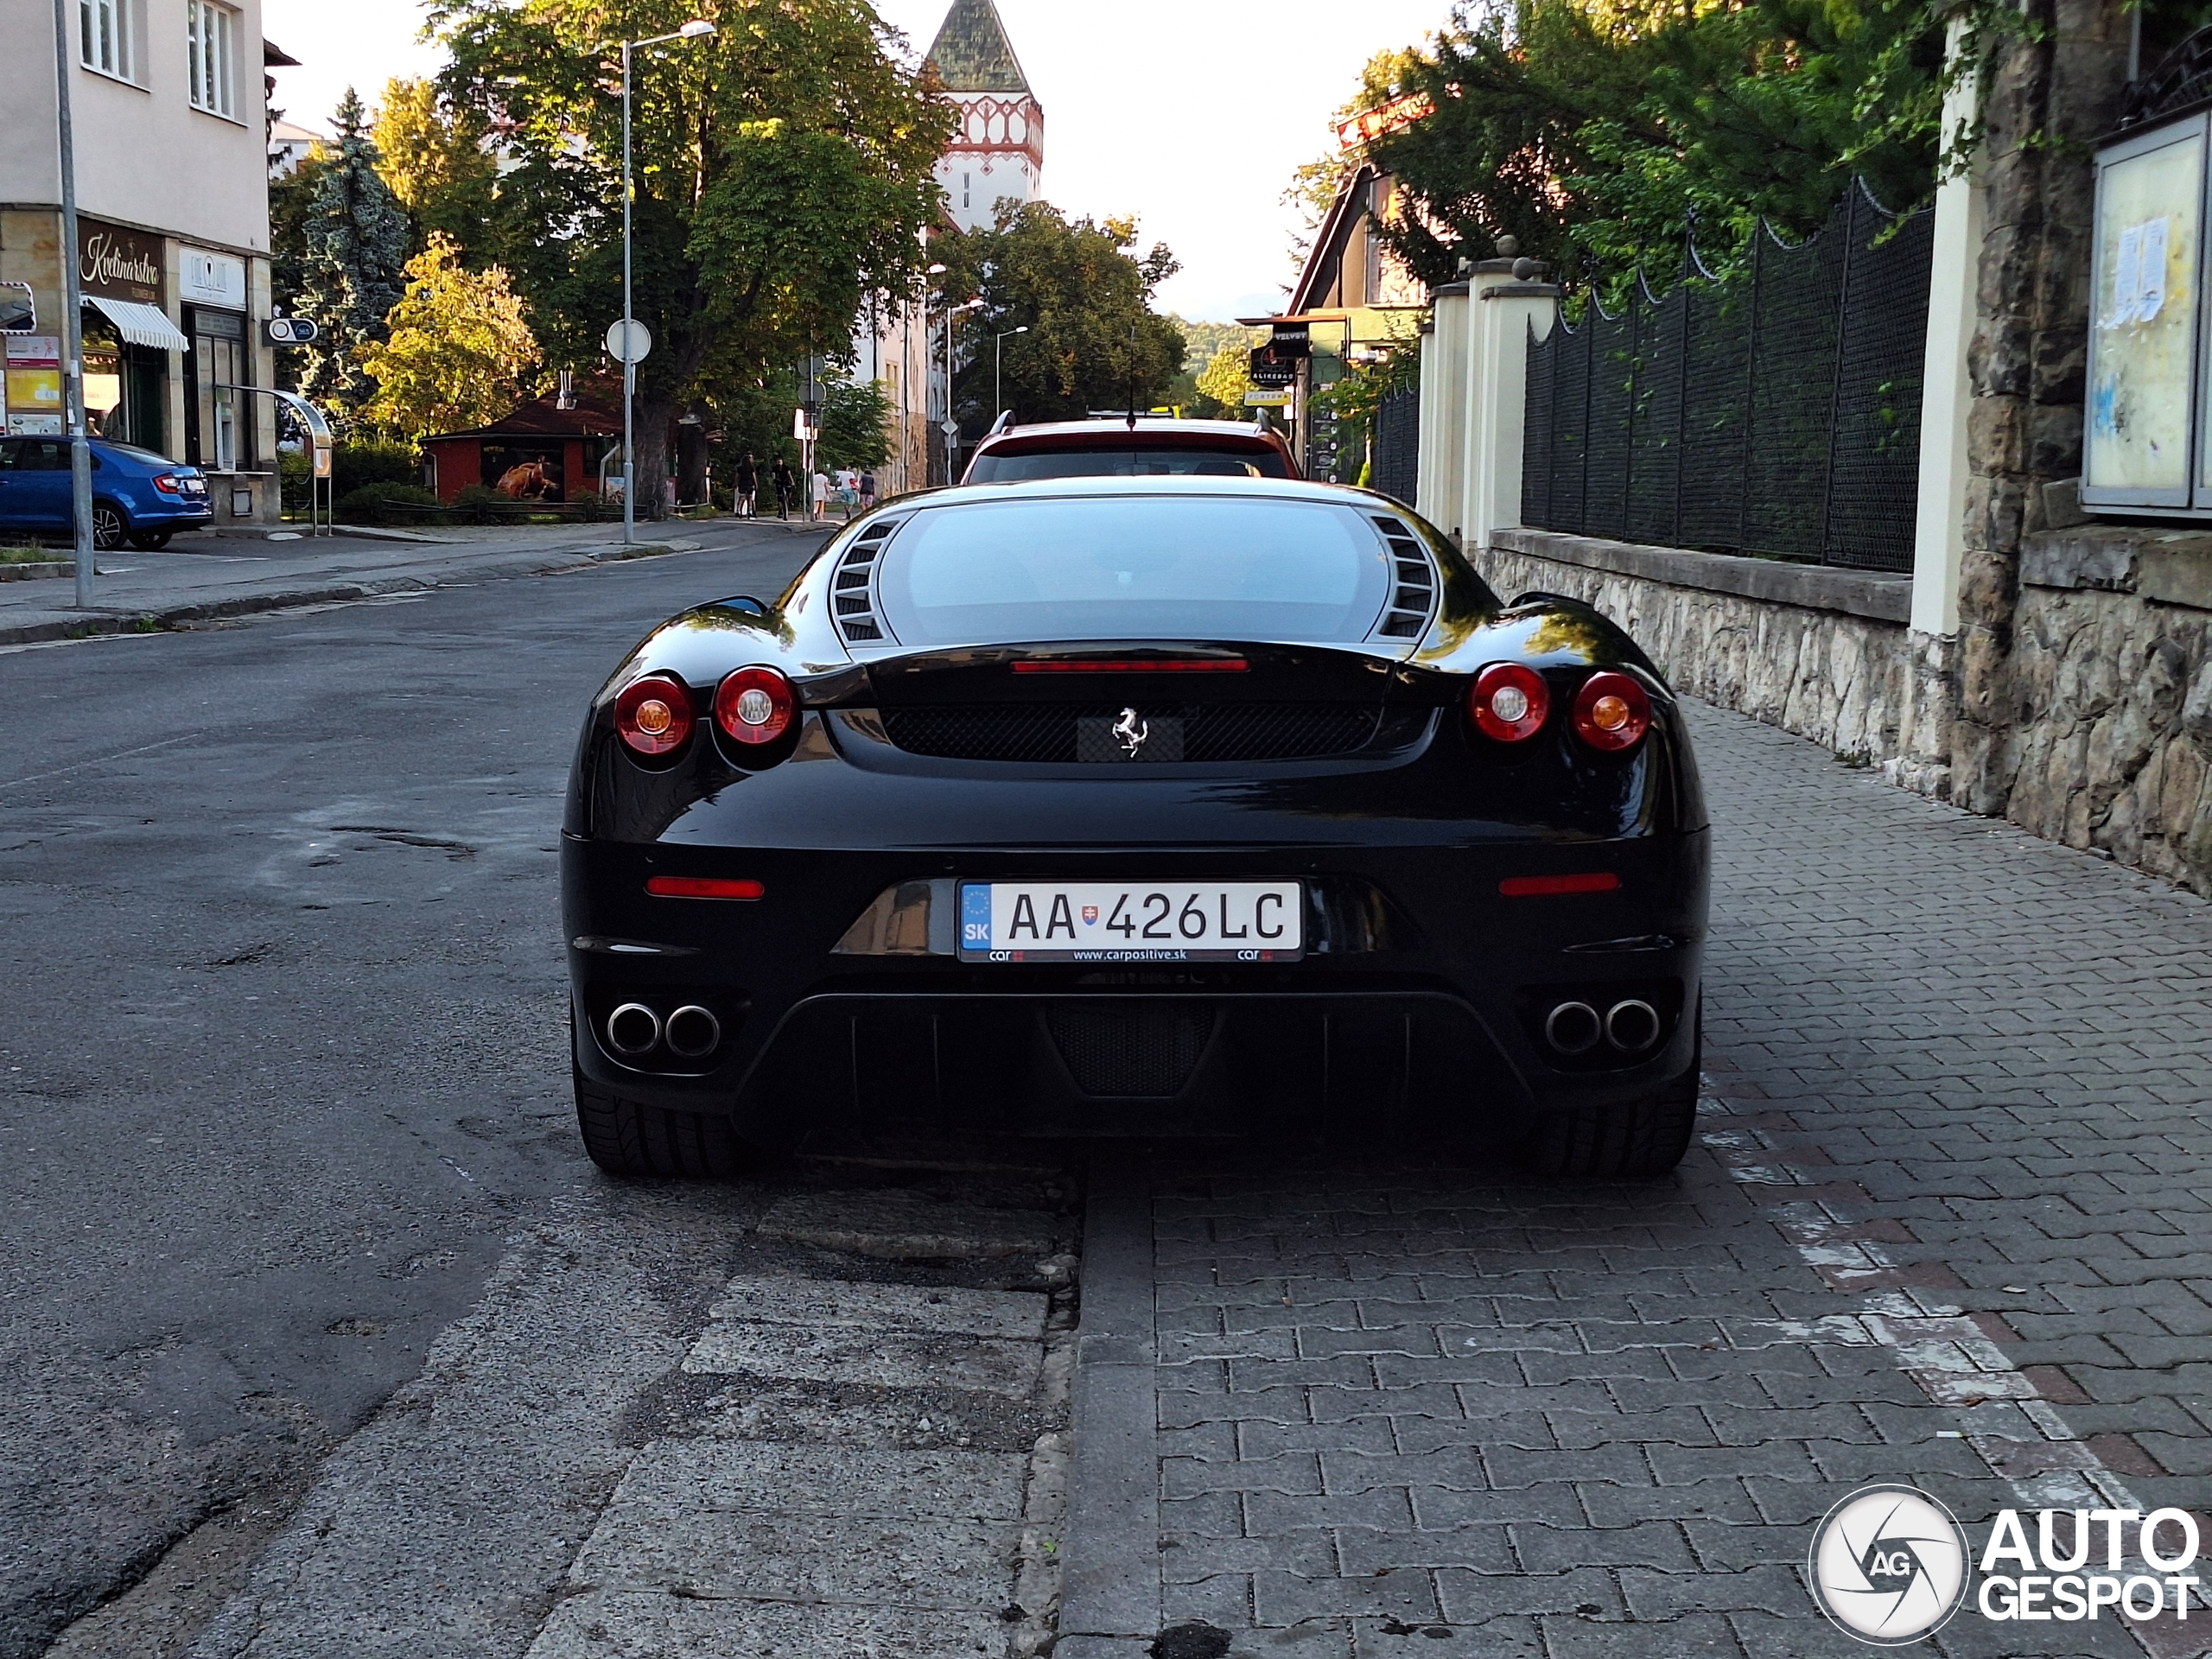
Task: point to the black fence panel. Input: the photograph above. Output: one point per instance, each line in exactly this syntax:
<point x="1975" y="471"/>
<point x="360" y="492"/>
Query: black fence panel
<point x="1776" y="411"/>
<point x="1613" y="390"/>
<point x="1397" y="445"/>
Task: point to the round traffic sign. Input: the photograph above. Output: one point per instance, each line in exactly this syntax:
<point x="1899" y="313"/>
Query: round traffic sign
<point x="629" y="341"/>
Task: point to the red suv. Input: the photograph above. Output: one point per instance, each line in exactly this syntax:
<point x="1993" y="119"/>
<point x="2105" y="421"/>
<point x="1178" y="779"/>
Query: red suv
<point x="1148" y="447"/>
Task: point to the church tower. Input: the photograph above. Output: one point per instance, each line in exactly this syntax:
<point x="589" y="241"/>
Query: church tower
<point x="999" y="149"/>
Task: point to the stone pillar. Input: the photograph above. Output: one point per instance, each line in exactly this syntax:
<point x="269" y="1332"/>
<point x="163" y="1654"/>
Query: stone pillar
<point x="1444" y="412"/>
<point x="1508" y="306"/>
<point x="2053" y="90"/>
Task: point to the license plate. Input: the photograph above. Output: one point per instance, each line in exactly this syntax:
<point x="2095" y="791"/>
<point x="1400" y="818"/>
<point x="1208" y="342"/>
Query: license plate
<point x="1135" y="921"/>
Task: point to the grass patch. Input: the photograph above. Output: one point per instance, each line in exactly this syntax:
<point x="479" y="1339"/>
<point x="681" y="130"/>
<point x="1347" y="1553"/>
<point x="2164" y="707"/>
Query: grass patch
<point x="31" y="556"/>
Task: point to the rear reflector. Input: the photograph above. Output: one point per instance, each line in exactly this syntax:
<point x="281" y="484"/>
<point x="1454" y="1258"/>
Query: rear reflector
<point x="1157" y="665"/>
<point x="1536" y="887"/>
<point x="703" y="886"/>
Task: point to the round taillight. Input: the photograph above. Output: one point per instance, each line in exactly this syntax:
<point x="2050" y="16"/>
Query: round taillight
<point x="1612" y="711"/>
<point x="1509" y="702"/>
<point x="654" y="714"/>
<point x="755" y="705"/>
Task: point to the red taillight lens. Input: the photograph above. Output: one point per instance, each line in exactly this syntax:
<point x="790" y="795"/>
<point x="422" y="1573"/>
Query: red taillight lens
<point x="755" y="705"/>
<point x="1540" y="886"/>
<point x="169" y="483"/>
<point x="1612" y="712"/>
<point x="1509" y="702"/>
<point x="703" y="886"/>
<point x="653" y="715"/>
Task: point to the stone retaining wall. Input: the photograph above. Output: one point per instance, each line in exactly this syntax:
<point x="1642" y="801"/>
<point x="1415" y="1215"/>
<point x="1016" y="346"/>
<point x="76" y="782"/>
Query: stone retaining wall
<point x="1822" y="653"/>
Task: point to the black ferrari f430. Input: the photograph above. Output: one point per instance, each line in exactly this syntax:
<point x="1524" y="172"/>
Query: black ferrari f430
<point x="1137" y="807"/>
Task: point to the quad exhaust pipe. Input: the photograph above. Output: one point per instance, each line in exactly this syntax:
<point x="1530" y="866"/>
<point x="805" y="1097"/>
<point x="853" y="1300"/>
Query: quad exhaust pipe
<point x="635" y="1029"/>
<point x="1629" y="1025"/>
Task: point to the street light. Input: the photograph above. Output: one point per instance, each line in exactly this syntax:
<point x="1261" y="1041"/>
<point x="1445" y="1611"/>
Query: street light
<point x="697" y="28"/>
<point x="934" y="271"/>
<point x="951" y="422"/>
<point x="998" y="357"/>
<point x="73" y="321"/>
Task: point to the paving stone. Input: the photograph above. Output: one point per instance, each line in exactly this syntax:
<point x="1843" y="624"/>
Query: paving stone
<point x="891" y="1359"/>
<point x="947" y="1309"/>
<point x="904" y="1226"/>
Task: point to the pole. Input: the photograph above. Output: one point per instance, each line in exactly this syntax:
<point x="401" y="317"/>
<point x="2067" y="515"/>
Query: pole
<point x="998" y="376"/>
<point x="629" y="368"/>
<point x="73" y="321"/>
<point x="950" y="312"/>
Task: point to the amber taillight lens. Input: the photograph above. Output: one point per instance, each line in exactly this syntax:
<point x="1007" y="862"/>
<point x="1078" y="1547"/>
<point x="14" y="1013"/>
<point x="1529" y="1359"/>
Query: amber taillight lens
<point x="755" y="706"/>
<point x="653" y="715"/>
<point x="1612" y="712"/>
<point x="1510" y="703"/>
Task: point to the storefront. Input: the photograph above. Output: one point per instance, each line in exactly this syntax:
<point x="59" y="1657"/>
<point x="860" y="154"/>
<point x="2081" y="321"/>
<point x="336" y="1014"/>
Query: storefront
<point x="127" y="334"/>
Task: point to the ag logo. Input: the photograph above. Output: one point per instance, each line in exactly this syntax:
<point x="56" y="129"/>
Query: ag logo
<point x="1888" y="1565"/>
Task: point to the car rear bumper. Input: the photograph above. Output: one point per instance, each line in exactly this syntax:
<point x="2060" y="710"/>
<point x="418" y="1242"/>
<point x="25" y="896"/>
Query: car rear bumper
<point x="1424" y="1004"/>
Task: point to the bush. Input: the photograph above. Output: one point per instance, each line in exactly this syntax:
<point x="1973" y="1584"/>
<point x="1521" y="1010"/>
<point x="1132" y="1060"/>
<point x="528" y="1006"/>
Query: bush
<point x="480" y="503"/>
<point x="373" y="504"/>
<point x="594" y="508"/>
<point x="359" y="462"/>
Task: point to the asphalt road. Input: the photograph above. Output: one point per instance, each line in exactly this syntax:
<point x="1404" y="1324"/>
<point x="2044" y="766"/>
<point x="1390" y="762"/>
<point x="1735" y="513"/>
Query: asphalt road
<point x="281" y="1033"/>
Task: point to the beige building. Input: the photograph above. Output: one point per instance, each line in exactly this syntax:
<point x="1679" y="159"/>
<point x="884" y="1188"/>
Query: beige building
<point x="169" y="104"/>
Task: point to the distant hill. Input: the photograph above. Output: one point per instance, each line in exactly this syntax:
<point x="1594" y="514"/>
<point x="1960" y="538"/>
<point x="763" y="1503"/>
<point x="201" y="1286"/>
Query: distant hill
<point x="1205" y="339"/>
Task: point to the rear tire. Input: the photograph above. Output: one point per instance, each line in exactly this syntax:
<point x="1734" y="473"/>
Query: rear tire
<point x="628" y="1137"/>
<point x="1643" y="1137"/>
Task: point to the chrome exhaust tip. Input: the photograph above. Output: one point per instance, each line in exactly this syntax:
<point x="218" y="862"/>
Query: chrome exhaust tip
<point x="1632" y="1025"/>
<point x="1572" y="1028"/>
<point x="632" y="1029"/>
<point x="693" y="1032"/>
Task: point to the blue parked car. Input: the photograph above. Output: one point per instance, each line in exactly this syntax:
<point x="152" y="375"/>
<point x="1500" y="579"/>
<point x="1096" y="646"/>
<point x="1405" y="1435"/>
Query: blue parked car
<point x="137" y="496"/>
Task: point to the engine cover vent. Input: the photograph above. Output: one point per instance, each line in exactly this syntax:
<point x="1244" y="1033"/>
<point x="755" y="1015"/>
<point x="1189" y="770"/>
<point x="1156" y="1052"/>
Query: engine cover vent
<point x="852" y="593"/>
<point x="1412" y="592"/>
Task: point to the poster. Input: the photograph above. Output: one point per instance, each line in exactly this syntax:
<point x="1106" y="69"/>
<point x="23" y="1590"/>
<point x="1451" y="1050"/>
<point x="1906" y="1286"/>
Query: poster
<point x="2142" y="337"/>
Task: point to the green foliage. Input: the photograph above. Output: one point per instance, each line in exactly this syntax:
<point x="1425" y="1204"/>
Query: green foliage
<point x="594" y="508"/>
<point x="353" y="242"/>
<point x="1228" y="376"/>
<point x="358" y="462"/>
<point x="783" y="170"/>
<point x="855" y="426"/>
<point x="436" y="162"/>
<point x="375" y="504"/>
<point x="1094" y="341"/>
<point x="459" y="354"/>
<point x="1598" y="133"/>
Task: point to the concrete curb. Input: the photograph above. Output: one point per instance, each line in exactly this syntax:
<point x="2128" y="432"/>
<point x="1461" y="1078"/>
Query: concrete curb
<point x="1110" y="1601"/>
<point x="85" y="625"/>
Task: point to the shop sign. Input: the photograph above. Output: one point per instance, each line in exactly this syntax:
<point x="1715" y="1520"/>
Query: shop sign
<point x="33" y="374"/>
<point x="206" y="278"/>
<point x="119" y="265"/>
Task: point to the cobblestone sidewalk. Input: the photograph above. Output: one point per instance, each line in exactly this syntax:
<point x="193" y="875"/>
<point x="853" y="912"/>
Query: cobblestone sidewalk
<point x="1949" y="1224"/>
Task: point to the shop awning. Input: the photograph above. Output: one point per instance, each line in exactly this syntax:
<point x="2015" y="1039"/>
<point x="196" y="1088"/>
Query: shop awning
<point x="142" y="325"/>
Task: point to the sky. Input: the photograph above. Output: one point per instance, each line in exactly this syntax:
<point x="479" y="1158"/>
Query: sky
<point x="1191" y="114"/>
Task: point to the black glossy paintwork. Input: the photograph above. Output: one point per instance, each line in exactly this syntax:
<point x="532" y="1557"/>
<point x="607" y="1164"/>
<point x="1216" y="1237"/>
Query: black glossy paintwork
<point x="1417" y="829"/>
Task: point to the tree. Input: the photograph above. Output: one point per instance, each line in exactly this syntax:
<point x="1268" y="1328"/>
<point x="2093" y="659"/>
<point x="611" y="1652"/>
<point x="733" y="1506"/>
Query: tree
<point x="785" y="171"/>
<point x="1596" y="132"/>
<point x="459" y="355"/>
<point x="1094" y="341"/>
<point x="353" y="246"/>
<point x="434" y="159"/>
<point x="1226" y="378"/>
<point x="856" y="425"/>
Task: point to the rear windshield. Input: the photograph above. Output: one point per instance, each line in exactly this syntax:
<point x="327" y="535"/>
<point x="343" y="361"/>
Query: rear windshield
<point x="1134" y="568"/>
<point x="1088" y="461"/>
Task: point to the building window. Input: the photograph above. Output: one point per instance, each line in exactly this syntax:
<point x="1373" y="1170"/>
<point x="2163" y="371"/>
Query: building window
<point x="212" y="31"/>
<point x="104" y="37"/>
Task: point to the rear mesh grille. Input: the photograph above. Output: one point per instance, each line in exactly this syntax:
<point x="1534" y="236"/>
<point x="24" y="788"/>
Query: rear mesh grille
<point x="1130" y="1048"/>
<point x="1070" y="733"/>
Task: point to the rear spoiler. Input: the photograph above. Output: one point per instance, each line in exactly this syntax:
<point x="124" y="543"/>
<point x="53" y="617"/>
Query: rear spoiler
<point x="1004" y="421"/>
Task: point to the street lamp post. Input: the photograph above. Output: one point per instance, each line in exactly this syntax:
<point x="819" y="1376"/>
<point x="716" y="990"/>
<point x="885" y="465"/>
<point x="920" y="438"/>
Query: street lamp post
<point x="73" y="321"/>
<point x="695" y="29"/>
<point x="998" y="360"/>
<point x="929" y="415"/>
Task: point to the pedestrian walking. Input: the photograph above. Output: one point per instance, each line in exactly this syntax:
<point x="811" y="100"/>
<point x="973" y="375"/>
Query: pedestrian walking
<point x="787" y="486"/>
<point x="867" y="491"/>
<point x="749" y="485"/>
<point x="821" y="495"/>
